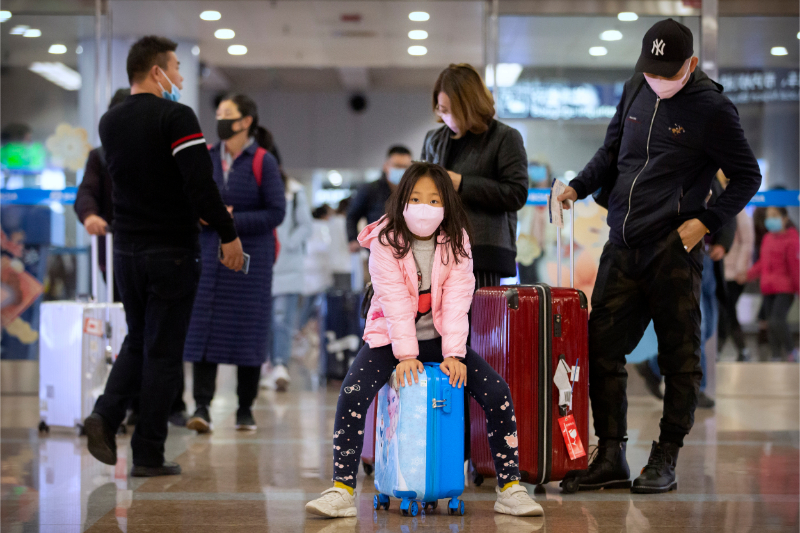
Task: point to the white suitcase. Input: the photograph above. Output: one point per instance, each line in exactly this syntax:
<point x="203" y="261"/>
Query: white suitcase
<point x="79" y="342"/>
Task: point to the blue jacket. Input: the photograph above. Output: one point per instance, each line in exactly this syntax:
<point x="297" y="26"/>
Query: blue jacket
<point x="670" y="151"/>
<point x="232" y="311"/>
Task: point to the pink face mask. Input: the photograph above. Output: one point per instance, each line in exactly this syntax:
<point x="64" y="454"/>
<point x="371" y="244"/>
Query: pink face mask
<point x="423" y="219"/>
<point x="667" y="88"/>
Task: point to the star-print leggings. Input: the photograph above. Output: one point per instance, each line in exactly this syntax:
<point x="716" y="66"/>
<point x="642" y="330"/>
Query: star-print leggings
<point x="371" y="370"/>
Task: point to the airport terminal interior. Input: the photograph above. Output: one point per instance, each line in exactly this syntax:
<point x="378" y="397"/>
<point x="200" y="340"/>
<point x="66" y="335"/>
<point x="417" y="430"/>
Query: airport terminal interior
<point x="337" y="83"/>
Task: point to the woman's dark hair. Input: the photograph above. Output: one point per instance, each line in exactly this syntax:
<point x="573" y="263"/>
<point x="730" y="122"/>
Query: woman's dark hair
<point x="247" y="107"/>
<point x="396" y="233"/>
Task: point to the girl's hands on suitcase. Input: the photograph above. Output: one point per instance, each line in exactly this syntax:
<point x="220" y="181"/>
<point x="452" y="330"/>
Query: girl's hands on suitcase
<point x="457" y="371"/>
<point x="405" y="370"/>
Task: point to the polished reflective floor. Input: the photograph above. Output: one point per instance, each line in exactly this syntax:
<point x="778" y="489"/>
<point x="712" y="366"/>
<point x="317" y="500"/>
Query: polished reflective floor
<point x="737" y="473"/>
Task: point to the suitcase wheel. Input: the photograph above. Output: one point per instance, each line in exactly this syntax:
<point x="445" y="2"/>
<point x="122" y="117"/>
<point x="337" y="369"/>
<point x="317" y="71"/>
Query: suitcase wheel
<point x="376" y="502"/>
<point x="477" y="479"/>
<point x="380" y="500"/>
<point x="43" y="427"/>
<point x="456" y="507"/>
<point x="368" y="469"/>
<point x="431" y="505"/>
<point x="414" y="508"/>
<point x="570" y="485"/>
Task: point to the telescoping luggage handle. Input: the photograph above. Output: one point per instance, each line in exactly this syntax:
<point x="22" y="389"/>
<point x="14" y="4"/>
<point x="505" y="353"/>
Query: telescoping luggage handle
<point x="109" y="295"/>
<point x="571" y="249"/>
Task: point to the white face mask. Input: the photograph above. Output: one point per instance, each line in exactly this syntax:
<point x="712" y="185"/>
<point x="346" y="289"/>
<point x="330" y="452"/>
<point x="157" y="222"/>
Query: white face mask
<point x="667" y="88"/>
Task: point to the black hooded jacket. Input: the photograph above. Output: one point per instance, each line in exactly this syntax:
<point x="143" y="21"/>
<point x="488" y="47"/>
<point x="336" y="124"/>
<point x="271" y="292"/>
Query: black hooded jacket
<point x="670" y="151"/>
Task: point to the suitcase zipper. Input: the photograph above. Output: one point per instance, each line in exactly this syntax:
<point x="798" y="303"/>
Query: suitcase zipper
<point x="545" y="388"/>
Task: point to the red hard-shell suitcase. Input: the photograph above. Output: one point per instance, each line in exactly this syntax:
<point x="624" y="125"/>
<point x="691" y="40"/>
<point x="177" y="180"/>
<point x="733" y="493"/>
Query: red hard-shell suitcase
<point x="523" y="331"/>
<point x="368" y="451"/>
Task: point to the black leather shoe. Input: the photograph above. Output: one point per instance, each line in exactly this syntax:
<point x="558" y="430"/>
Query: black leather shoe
<point x="659" y="474"/>
<point x="102" y="444"/>
<point x="652" y="381"/>
<point x="167" y="469"/>
<point x="608" y="469"/>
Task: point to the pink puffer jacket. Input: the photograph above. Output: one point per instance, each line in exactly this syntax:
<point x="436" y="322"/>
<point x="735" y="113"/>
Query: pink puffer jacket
<point x="778" y="264"/>
<point x="392" y="314"/>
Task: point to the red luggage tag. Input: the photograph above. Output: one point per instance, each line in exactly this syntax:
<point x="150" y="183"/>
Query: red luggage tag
<point x="571" y="437"/>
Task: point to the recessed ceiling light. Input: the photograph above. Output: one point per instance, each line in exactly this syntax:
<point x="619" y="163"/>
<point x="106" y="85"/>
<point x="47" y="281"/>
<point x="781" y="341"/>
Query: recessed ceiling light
<point x="195" y="50"/>
<point x="335" y="178"/>
<point x="32" y="33"/>
<point x="419" y="16"/>
<point x="224" y="34"/>
<point x="611" y="35"/>
<point x="210" y="15"/>
<point x="417" y="50"/>
<point x="5" y="15"/>
<point x="798" y="35"/>
<point x="598" y="51"/>
<point x="237" y="49"/>
<point x="57" y="49"/>
<point x="418" y="35"/>
<point x="58" y="73"/>
<point x="79" y="50"/>
<point x="627" y="16"/>
<point x="19" y="30"/>
<point x="779" y="51"/>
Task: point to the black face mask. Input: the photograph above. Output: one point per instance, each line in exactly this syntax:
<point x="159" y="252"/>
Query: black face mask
<point x="225" y="128"/>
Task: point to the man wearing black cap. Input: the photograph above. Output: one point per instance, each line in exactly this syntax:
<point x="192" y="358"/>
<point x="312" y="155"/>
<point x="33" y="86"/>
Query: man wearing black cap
<point x="672" y="131"/>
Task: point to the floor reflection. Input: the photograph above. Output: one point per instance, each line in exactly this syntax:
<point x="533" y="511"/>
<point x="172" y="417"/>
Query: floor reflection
<point x="737" y="473"/>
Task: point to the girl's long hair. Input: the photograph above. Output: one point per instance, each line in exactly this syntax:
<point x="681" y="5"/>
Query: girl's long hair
<point x="396" y="233"/>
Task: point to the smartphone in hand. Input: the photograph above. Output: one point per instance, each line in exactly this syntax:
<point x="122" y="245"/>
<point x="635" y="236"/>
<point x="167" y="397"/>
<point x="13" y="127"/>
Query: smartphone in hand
<point x="245" y="267"/>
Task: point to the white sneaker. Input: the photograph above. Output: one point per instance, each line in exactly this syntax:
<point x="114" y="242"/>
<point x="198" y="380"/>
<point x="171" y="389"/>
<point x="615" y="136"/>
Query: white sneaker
<point x="334" y="503"/>
<point x="280" y="376"/>
<point x="517" y="502"/>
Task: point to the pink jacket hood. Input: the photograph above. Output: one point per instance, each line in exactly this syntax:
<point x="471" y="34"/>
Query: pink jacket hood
<point x="392" y="315"/>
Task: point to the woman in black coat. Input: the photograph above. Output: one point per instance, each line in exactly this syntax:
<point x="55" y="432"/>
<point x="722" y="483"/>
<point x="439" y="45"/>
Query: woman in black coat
<point x="232" y="310"/>
<point x="487" y="161"/>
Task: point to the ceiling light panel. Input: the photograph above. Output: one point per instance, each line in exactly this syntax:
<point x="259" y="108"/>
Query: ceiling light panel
<point x="611" y="35"/>
<point x="33" y="32"/>
<point x="237" y="50"/>
<point x="58" y="73"/>
<point x="627" y="16"/>
<point x="19" y="30"/>
<point x="57" y="49"/>
<point x="418" y="35"/>
<point x="779" y="51"/>
<point x="417" y="50"/>
<point x="5" y="15"/>
<point x="419" y="16"/>
<point x="598" y="51"/>
<point x="210" y="15"/>
<point x="224" y="33"/>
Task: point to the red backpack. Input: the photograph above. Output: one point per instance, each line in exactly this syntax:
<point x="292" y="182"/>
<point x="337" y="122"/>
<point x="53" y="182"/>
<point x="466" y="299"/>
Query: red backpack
<point x="258" y="172"/>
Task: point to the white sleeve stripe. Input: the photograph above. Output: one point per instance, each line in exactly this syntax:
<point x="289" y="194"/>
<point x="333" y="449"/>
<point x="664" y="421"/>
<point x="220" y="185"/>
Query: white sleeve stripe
<point x="187" y="144"/>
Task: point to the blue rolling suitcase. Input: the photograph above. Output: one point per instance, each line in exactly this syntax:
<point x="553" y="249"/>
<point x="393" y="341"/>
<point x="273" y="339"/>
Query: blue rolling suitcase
<point x="419" y="443"/>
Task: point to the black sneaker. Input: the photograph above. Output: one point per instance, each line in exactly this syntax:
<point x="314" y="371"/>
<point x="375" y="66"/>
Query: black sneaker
<point x="659" y="474"/>
<point x="200" y="420"/>
<point x="608" y="469"/>
<point x="705" y="402"/>
<point x="102" y="444"/>
<point x="652" y="381"/>
<point x="167" y="469"/>
<point x="178" y="418"/>
<point x="245" y="420"/>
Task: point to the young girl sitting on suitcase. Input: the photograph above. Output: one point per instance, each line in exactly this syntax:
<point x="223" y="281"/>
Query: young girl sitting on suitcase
<point x="421" y="270"/>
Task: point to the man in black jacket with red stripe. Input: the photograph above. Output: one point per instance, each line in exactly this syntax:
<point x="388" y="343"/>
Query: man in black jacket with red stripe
<point x="162" y="187"/>
<point x="678" y="130"/>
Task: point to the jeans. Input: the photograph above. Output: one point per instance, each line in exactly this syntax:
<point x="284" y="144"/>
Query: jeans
<point x="285" y="313"/>
<point x="709" y="317"/>
<point x="776" y="308"/>
<point x="157" y="284"/>
<point x="659" y="282"/>
<point x="205" y="384"/>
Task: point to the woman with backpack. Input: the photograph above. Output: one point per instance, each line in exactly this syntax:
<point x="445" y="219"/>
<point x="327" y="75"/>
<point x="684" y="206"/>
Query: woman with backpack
<point x="231" y="316"/>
